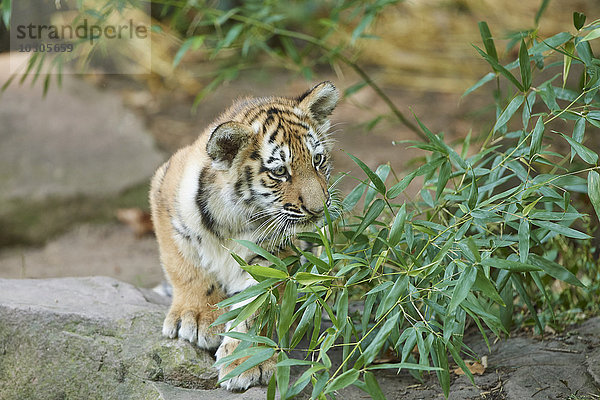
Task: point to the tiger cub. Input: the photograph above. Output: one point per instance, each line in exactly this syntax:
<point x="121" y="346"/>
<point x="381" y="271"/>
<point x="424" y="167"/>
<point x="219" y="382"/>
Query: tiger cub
<point x="259" y="172"/>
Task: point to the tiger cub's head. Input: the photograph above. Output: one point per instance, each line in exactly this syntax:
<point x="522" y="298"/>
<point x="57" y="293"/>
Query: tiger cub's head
<point x="275" y="153"/>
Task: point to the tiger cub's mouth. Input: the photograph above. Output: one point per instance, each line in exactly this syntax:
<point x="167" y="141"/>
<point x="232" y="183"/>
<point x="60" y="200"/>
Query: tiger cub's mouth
<point x="306" y="216"/>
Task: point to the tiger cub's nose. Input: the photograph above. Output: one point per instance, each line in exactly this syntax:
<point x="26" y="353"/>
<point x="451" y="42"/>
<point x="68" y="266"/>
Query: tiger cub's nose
<point x="313" y="202"/>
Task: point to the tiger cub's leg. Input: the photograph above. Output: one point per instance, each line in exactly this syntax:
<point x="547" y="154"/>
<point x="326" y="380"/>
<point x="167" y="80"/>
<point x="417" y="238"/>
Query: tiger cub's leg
<point x="262" y="373"/>
<point x="194" y="309"/>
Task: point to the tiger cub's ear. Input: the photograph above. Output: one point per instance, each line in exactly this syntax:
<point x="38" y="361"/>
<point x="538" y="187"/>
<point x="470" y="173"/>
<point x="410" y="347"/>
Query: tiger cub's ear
<point x="226" y="141"/>
<point x="320" y="100"/>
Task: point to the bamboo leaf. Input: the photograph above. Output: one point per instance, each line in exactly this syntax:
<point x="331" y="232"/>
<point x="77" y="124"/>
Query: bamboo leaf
<point x="578" y="20"/>
<point x="354" y="88"/>
<point x="578" y="132"/>
<point x="508" y="112"/>
<point x="548" y="96"/>
<point x="560" y="229"/>
<point x="382" y="172"/>
<point x="251" y="362"/>
<point x="433" y="139"/>
<point x="248" y="293"/>
<point x="321" y="265"/>
<point x="513" y="266"/>
<point x="249" y="309"/>
<point x="400" y="186"/>
<point x="527" y="209"/>
<point x="272" y="388"/>
<point x="586" y="154"/>
<point x="373" y="387"/>
<point x="440" y="359"/>
<point x="567" y="59"/>
<point x="529" y="102"/>
<point x="259" y="270"/>
<point x="290" y="296"/>
<point x="249" y="338"/>
<point x="488" y="42"/>
<point x="379" y="185"/>
<point x="291" y="362"/>
<point x="474" y="250"/>
<point x="541" y="10"/>
<point x="193" y="43"/>
<point x="518" y="284"/>
<point x="523" y="240"/>
<point x="282" y="374"/>
<point x="525" y="66"/>
<point x="232" y="34"/>
<point x="362" y="26"/>
<point x="536" y="138"/>
<point x="262" y="252"/>
<point x="584" y="51"/>
<point x="306" y="278"/>
<point x="345" y="379"/>
<point x="595" y="34"/>
<point x="303" y="325"/>
<point x="486" y="78"/>
<point x="550" y="43"/>
<point x="370" y="216"/>
<point x="462" y="288"/>
<point x="483" y="284"/>
<point x="353" y="197"/>
<point x="400" y="286"/>
<point x="6" y="12"/>
<point x="397" y="227"/>
<point x="593" y="182"/>
<point x="422" y="170"/>
<point x="404" y="365"/>
<point x="494" y="63"/>
<point x="473" y="192"/>
<point x="375" y="346"/>
<point x="443" y="176"/>
<point x="555" y="270"/>
<point x="460" y="362"/>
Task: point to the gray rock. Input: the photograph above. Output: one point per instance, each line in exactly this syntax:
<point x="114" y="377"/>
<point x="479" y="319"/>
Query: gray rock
<point x="168" y="392"/>
<point x="76" y="140"/>
<point x="91" y="338"/>
<point x="592" y="361"/>
<point x="589" y="332"/>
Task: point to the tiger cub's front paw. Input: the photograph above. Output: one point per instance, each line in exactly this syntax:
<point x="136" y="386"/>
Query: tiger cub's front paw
<point x="193" y="325"/>
<point x="258" y="375"/>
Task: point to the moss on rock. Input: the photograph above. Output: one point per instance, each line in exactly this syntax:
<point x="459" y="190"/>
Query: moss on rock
<point x="92" y="338"/>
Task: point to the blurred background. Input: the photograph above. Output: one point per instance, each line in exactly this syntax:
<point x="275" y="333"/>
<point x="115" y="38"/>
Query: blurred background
<point x="78" y="144"/>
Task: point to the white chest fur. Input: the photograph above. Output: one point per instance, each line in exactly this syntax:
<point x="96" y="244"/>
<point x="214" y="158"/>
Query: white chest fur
<point x="202" y="248"/>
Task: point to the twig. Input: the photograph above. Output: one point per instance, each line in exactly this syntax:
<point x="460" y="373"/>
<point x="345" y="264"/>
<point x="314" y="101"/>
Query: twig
<point x="540" y="390"/>
<point x="381" y="94"/>
<point x="557" y="350"/>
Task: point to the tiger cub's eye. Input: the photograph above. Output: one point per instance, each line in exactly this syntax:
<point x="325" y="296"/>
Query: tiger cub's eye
<point x="318" y="160"/>
<point x="280" y="171"/>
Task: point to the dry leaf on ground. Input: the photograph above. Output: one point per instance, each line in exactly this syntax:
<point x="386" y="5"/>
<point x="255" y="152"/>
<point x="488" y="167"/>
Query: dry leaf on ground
<point x="138" y="220"/>
<point x="476" y="368"/>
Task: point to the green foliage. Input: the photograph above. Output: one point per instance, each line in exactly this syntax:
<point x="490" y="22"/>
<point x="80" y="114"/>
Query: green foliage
<point x="484" y="239"/>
